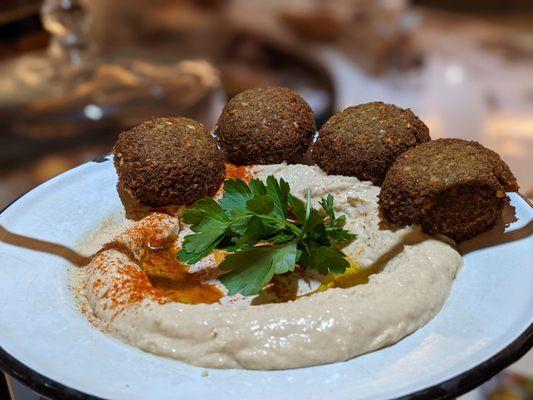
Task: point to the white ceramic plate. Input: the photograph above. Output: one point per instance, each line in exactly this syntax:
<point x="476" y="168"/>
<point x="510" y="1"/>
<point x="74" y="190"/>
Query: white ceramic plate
<point x="47" y="344"/>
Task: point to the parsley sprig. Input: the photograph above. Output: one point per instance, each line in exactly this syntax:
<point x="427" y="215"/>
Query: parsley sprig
<point x="266" y="231"/>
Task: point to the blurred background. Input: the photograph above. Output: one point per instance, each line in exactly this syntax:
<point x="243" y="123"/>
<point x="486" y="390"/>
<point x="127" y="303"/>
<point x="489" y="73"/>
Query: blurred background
<point x="74" y="73"/>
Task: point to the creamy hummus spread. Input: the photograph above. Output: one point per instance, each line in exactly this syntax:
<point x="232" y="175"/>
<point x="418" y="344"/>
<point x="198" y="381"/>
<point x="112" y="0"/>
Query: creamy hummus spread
<point x="412" y="275"/>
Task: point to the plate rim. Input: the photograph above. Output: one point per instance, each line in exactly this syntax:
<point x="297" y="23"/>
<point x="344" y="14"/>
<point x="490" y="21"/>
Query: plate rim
<point x="444" y="390"/>
<point x="448" y="389"/>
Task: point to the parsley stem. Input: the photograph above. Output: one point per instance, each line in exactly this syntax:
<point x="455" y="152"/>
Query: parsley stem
<point x="285" y="223"/>
<point x="307" y="215"/>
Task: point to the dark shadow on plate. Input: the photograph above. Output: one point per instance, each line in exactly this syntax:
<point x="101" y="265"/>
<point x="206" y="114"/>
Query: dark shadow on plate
<point x="100" y="159"/>
<point x="43" y="246"/>
<point x="497" y="234"/>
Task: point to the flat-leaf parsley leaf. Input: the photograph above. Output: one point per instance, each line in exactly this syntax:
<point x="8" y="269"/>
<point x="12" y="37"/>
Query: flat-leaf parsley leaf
<point x="265" y="230"/>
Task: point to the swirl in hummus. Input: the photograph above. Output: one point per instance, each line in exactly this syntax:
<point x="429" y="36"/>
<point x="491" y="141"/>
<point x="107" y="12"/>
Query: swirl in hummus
<point x="414" y="275"/>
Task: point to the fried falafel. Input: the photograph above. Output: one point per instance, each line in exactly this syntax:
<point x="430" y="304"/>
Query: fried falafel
<point x="449" y="186"/>
<point x="168" y="161"/>
<point x="364" y="140"/>
<point x="265" y="126"/>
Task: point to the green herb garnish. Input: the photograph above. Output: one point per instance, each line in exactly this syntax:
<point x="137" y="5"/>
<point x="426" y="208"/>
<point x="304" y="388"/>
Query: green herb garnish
<point x="266" y="231"/>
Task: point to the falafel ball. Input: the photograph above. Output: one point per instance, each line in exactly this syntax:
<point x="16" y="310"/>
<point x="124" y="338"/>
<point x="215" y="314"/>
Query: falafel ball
<point x="168" y="161"/>
<point x="364" y="140"/>
<point x="449" y="186"/>
<point x="266" y="126"/>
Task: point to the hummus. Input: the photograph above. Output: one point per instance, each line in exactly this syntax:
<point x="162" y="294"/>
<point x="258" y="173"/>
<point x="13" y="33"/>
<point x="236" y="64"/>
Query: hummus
<point x="413" y="276"/>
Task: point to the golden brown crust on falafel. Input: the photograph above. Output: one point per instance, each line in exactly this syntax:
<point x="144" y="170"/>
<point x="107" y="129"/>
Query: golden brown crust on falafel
<point x="265" y="126"/>
<point x="168" y="161"/>
<point x="364" y="140"/>
<point x="449" y="186"/>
